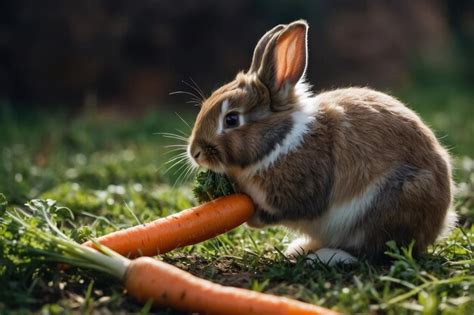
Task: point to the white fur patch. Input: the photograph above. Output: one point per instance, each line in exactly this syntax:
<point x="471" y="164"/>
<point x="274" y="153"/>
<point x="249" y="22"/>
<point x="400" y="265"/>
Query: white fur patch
<point x="190" y="156"/>
<point x="306" y="101"/>
<point x="302" y="245"/>
<point x="224" y="108"/>
<point x="336" y="225"/>
<point x="330" y="256"/>
<point x="257" y="194"/>
<point x="308" y="107"/>
<point x="301" y="126"/>
<point x="449" y="224"/>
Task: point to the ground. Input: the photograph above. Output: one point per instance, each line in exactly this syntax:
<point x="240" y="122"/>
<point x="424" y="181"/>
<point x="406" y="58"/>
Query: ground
<point x="111" y="174"/>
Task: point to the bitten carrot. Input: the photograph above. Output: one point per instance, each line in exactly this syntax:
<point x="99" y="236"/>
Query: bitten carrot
<point x="148" y="278"/>
<point x="184" y="228"/>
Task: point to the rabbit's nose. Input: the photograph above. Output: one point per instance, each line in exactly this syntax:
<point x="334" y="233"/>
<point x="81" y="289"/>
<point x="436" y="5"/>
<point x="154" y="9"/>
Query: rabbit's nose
<point x="195" y="151"/>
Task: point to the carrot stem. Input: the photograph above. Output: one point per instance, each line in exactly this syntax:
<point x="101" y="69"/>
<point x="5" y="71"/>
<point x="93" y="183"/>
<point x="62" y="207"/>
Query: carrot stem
<point x="73" y="253"/>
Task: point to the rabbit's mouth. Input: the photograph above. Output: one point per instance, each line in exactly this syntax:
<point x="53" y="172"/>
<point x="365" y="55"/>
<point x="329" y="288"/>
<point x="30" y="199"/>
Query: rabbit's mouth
<point x="206" y="156"/>
<point x="214" y="165"/>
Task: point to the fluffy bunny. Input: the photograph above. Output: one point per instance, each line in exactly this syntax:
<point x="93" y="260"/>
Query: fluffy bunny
<point x="348" y="169"/>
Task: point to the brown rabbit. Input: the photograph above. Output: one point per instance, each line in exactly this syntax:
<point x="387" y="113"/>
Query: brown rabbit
<point x="348" y="169"/>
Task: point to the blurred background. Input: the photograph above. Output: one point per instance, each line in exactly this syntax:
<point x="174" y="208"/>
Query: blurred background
<point x="85" y="85"/>
<point x="132" y="54"/>
<point x="87" y="119"/>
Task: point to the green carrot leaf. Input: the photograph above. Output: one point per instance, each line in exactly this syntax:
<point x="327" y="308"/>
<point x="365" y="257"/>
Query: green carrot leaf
<point x="209" y="185"/>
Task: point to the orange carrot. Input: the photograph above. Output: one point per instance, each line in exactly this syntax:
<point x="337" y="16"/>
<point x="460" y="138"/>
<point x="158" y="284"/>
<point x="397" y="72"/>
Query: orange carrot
<point x="147" y="278"/>
<point x="184" y="228"/>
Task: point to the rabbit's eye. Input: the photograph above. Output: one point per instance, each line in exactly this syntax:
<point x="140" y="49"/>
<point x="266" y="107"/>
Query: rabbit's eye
<point x="231" y="120"/>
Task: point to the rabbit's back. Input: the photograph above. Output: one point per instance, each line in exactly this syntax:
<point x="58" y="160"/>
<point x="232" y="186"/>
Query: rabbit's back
<point x="374" y="133"/>
<point x="388" y="167"/>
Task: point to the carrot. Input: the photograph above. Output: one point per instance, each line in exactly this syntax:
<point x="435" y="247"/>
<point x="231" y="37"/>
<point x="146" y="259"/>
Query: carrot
<point x="148" y="279"/>
<point x="184" y="228"/>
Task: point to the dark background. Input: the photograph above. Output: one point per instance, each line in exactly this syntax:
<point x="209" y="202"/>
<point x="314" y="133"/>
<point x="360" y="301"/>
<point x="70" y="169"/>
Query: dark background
<point x="85" y="117"/>
<point x="129" y="55"/>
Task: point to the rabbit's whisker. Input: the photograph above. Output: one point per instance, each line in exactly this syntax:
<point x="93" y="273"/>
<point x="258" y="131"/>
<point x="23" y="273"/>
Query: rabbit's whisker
<point x="182" y="132"/>
<point x="180" y="156"/>
<point x="175" y="150"/>
<point x="195" y="89"/>
<point x="199" y="90"/>
<point x="175" y="164"/>
<point x="176" y="146"/>
<point x="193" y="96"/>
<point x="172" y="136"/>
<point x="179" y="169"/>
<point x="183" y="120"/>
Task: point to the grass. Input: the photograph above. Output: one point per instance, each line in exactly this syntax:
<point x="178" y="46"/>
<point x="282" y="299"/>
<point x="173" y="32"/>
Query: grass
<point x="107" y="172"/>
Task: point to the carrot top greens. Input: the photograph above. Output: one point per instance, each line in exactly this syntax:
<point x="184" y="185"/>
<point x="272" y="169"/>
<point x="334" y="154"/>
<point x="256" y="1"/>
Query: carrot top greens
<point x="209" y="185"/>
<point x="36" y="237"/>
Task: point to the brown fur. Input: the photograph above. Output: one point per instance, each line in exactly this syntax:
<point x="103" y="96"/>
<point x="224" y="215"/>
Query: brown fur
<point x="359" y="138"/>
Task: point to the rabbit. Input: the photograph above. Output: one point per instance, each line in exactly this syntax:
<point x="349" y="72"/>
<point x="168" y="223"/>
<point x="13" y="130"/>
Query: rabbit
<point x="348" y="170"/>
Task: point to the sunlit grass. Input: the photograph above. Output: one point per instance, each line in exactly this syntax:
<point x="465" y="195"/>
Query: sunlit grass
<point x="110" y="174"/>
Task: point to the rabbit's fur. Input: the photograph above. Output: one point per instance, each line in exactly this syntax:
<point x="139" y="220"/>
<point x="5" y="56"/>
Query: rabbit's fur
<point x="349" y="169"/>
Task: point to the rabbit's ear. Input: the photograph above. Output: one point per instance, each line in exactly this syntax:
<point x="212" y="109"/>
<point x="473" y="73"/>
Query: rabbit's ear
<point x="261" y="45"/>
<point x="284" y="60"/>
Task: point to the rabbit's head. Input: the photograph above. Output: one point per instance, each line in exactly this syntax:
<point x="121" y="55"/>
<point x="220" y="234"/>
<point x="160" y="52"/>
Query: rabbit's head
<point x="244" y="120"/>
